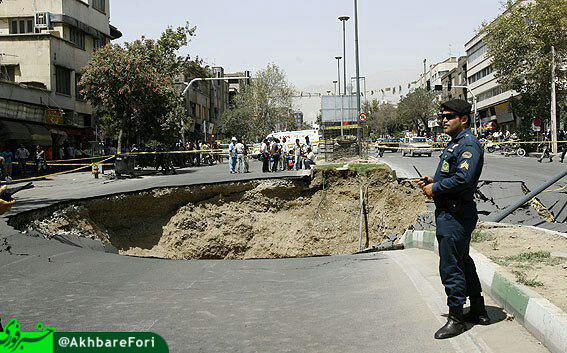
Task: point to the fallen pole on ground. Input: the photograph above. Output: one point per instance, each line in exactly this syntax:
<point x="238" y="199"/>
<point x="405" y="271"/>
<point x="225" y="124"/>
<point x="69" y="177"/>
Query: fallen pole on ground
<point x="508" y="211"/>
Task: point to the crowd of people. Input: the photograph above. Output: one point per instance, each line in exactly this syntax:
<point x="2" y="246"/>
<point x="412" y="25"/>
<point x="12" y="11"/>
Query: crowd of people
<point x="275" y="154"/>
<point x="28" y="163"/>
<point x="278" y="155"/>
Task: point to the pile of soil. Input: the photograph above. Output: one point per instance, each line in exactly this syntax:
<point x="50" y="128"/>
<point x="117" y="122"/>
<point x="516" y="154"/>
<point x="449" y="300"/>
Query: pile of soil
<point x="267" y="219"/>
<point x="535" y="258"/>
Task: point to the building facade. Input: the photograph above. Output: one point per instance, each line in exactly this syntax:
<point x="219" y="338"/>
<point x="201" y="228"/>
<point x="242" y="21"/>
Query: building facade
<point x="44" y="46"/>
<point x="237" y="85"/>
<point x="493" y="101"/>
<point x="433" y="74"/>
<point x="205" y="102"/>
<point x="454" y="80"/>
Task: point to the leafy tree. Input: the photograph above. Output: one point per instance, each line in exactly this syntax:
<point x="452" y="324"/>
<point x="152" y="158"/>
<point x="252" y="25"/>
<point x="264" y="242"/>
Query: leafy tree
<point x="132" y="86"/>
<point x="382" y="117"/>
<point x="520" y="42"/>
<point x="262" y="107"/>
<point x="417" y="107"/>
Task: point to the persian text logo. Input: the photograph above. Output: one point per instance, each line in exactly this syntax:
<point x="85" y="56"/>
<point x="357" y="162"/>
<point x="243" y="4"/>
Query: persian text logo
<point x="14" y="340"/>
<point x="46" y="340"/>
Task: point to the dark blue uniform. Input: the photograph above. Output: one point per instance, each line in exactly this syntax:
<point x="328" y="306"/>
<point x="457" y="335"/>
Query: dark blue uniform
<point x="455" y="182"/>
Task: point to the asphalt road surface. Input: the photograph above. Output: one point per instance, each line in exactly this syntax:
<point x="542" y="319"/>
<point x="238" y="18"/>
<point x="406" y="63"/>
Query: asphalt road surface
<point x="507" y="175"/>
<point x="388" y="302"/>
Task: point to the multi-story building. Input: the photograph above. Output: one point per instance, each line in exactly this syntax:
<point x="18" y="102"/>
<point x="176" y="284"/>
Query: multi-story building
<point x="205" y="102"/>
<point x="44" y="46"/>
<point x="237" y="85"/>
<point x="432" y="76"/>
<point x="493" y="100"/>
<point x="457" y="77"/>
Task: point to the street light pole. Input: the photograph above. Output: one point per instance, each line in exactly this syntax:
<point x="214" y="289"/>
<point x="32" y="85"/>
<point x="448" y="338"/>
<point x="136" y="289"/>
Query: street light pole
<point x="210" y="79"/>
<point x="339" y="72"/>
<point x="335" y="82"/>
<point x="344" y="19"/>
<point x="554" y="145"/>
<point x="359" y="133"/>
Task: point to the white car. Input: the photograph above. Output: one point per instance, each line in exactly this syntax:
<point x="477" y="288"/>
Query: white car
<point x="415" y="146"/>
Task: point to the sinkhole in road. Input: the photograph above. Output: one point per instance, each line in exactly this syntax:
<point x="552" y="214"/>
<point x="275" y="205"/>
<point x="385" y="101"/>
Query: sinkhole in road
<point x="274" y="218"/>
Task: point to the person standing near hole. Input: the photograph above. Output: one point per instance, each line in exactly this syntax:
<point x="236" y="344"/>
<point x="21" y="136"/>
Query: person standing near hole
<point x="452" y="188"/>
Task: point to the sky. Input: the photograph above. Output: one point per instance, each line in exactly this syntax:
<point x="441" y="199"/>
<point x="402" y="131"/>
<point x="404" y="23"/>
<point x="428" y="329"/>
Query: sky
<point x="303" y="36"/>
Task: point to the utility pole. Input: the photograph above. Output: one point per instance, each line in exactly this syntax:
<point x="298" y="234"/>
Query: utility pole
<point x="554" y="146"/>
<point x="359" y="132"/>
<point x="344" y="19"/>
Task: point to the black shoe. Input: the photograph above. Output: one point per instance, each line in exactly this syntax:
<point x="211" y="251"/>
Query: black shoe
<point x="477" y="314"/>
<point x="455" y="325"/>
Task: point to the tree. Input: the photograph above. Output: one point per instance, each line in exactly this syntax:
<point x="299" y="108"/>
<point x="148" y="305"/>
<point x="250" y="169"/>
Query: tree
<point x="382" y="117"/>
<point x="132" y="86"/>
<point x="262" y="107"/>
<point x="519" y="43"/>
<point x="417" y="107"/>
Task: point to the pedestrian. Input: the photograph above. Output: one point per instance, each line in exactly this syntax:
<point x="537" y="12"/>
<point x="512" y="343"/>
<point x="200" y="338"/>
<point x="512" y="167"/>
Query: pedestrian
<point x="309" y="160"/>
<point x="71" y="152"/>
<point x="7" y="157"/>
<point x="563" y="144"/>
<point x="240" y="149"/>
<point x="452" y="190"/>
<point x="232" y="157"/>
<point x="22" y="156"/>
<point x="40" y="165"/>
<point x="284" y="153"/>
<point x="546" y="150"/>
<point x="275" y="151"/>
<point x="308" y="142"/>
<point x="297" y="152"/>
<point x="265" y="156"/>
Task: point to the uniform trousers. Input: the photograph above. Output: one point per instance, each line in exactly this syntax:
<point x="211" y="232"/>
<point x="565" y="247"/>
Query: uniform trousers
<point x="456" y="267"/>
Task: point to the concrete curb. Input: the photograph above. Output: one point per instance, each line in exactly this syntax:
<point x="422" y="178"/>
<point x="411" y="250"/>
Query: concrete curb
<point x="539" y="316"/>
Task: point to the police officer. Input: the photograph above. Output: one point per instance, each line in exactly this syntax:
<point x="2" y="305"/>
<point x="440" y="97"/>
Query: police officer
<point x="456" y="216"/>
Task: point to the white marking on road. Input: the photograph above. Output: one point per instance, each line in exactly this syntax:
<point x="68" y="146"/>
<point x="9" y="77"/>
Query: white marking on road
<point x="436" y="304"/>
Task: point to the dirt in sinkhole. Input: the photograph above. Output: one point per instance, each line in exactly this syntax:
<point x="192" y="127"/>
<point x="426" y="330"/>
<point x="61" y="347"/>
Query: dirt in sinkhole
<point x="260" y="219"/>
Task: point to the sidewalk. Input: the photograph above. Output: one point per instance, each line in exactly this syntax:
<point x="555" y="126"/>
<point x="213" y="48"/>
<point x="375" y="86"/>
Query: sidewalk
<point x="539" y="316"/>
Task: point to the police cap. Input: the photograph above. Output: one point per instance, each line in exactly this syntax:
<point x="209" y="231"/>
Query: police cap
<point x="458" y="106"/>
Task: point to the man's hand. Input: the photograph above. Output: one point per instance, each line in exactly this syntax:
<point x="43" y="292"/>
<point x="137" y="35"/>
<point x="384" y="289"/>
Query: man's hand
<point x="5" y="206"/>
<point x="426" y="185"/>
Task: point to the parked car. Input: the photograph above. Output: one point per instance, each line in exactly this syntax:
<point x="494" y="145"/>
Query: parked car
<point x="415" y="146"/>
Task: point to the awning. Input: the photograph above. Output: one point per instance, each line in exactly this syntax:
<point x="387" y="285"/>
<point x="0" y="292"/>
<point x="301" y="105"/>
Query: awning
<point x="39" y="135"/>
<point x="10" y="130"/>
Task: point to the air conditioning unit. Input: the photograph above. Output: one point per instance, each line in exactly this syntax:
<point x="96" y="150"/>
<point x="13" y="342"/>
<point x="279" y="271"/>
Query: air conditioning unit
<point x="42" y="20"/>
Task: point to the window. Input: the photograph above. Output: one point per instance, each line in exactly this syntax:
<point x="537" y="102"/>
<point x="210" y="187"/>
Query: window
<point x="100" y="5"/>
<point x="77" y="37"/>
<point x="62" y="80"/>
<point x="8" y="73"/>
<point x="98" y="43"/>
<point x="478" y="53"/>
<point x="481" y="74"/>
<point x="490" y="93"/>
<point x="21" y="25"/>
<point x="78" y="95"/>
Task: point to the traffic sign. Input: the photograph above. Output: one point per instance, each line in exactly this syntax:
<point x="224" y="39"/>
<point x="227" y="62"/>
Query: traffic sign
<point x="362" y="117"/>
